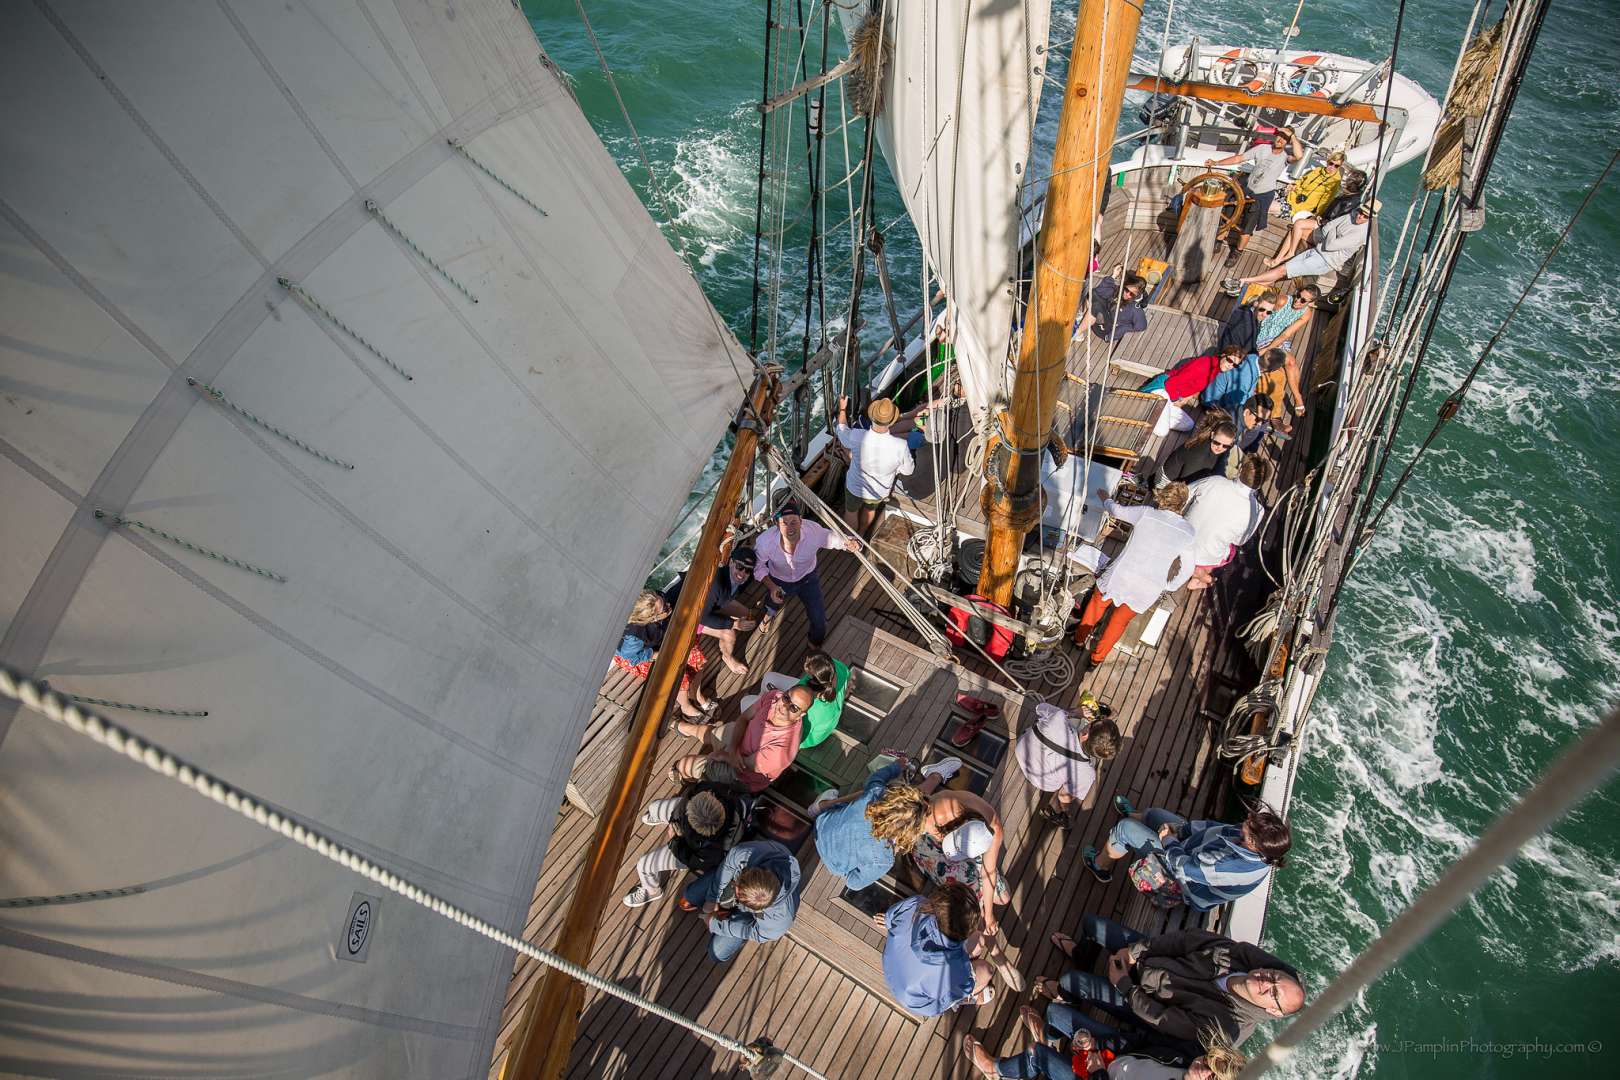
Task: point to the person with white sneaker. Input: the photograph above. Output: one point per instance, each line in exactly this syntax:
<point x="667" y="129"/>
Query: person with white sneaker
<point x="704" y="822"/>
<point x="858" y="836"/>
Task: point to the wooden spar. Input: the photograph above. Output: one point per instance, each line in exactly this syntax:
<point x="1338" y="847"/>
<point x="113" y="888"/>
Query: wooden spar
<point x="1106" y="31"/>
<point x="1294" y="103"/>
<point x="547" y="1034"/>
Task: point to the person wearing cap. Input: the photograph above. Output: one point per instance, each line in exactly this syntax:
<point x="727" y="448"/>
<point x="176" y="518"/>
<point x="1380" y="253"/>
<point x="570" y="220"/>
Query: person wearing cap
<point x="704" y="822"/>
<point x="724" y="614"/>
<point x="786" y="563"/>
<point x="961" y="841"/>
<point x="1331" y="248"/>
<point x="1265" y="161"/>
<point x="877" y="459"/>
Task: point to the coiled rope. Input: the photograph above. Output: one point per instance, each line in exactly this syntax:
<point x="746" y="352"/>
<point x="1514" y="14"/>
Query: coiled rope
<point x="58" y="709"/>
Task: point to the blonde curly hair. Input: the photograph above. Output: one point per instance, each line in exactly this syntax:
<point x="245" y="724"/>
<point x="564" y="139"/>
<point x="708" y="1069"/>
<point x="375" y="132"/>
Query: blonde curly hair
<point x="649" y="608"/>
<point x="897" y="816"/>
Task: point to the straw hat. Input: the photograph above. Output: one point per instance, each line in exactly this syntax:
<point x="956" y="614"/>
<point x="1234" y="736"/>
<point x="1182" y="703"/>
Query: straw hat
<point x="1370" y="207"/>
<point x="883" y="412"/>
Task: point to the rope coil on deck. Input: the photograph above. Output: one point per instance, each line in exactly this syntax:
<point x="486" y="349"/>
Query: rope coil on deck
<point x="60" y="710"/>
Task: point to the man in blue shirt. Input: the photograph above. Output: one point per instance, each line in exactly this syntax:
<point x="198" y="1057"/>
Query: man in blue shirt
<point x="752" y="896"/>
<point x="928" y="954"/>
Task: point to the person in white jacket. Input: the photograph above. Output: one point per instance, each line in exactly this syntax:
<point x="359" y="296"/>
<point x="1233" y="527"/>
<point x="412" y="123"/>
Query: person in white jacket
<point x="1157" y="558"/>
<point x="1224" y="513"/>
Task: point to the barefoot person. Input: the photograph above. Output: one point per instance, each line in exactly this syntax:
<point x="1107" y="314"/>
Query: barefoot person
<point x="1069" y="1045"/>
<point x="644" y="635"/>
<point x="724" y="615"/>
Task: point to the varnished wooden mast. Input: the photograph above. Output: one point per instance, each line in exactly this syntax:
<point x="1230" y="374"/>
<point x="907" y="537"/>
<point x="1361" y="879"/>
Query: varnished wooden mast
<point x="547" y="1034"/>
<point x="1106" y="28"/>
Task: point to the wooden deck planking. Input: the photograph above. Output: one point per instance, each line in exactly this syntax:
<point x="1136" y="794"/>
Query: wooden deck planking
<point x="807" y="1002"/>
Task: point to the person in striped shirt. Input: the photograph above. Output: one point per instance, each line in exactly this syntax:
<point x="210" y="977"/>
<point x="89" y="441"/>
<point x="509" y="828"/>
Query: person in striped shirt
<point x="1210" y="862"/>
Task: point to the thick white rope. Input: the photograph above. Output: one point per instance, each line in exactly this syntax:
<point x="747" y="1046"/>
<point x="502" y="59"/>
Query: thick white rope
<point x="55" y="707"/>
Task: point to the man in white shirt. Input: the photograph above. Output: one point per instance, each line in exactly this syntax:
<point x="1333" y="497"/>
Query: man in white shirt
<point x="1224" y="513"/>
<point x="1265" y="161"/>
<point x="1332" y="246"/>
<point x="876" y="460"/>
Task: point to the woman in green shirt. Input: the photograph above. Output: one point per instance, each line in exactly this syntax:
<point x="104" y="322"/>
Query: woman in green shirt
<point x="828" y="679"/>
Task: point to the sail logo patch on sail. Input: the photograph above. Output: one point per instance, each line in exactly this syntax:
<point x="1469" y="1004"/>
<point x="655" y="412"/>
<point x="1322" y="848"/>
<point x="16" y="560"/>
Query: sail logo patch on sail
<point x="356" y="940"/>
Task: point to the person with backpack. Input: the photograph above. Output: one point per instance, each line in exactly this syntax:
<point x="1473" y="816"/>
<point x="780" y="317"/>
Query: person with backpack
<point x="1060" y="753"/>
<point x="1202" y="864"/>
<point x="705" y="821"/>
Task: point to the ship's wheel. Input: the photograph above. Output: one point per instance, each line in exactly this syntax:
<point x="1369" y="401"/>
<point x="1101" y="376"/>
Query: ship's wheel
<point x="1231" y="207"/>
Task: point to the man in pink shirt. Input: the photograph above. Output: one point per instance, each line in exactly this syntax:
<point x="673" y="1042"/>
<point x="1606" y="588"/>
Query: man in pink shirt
<point x="755" y="749"/>
<point x="787" y="564"/>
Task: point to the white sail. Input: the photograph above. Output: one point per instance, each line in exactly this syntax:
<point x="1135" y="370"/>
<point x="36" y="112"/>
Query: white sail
<point x="961" y="96"/>
<point x="419" y="682"/>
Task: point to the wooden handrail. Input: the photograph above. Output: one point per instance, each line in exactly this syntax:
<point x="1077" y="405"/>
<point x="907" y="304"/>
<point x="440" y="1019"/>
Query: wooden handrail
<point x="546" y="1037"/>
<point x="1265" y="99"/>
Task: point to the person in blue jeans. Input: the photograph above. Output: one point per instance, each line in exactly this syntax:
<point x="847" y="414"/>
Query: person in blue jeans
<point x="1067" y="1045"/>
<point x="1204" y="863"/>
<point x="752" y="896"/>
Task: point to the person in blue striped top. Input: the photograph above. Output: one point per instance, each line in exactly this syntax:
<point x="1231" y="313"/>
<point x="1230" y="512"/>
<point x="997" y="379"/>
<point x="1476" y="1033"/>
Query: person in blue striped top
<point x="1200" y="863"/>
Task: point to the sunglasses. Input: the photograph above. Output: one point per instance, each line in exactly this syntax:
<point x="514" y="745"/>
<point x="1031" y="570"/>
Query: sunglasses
<point x="792" y="707"/>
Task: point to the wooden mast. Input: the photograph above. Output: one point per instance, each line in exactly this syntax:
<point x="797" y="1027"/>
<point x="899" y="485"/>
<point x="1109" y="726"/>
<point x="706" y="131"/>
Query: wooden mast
<point x="1106" y="29"/>
<point x="547" y="1034"/>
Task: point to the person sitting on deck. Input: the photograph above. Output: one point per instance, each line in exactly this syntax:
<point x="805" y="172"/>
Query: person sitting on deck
<point x="859" y="835"/>
<point x="724" y="616"/>
<point x="1279" y="382"/>
<point x="1253" y="424"/>
<point x="1182" y="384"/>
<point x="752" y="895"/>
<point x="1242" y="326"/>
<point x="877" y="460"/>
<point x="1345" y="199"/>
<point x="1183" y="986"/>
<point x="1331" y="248"/>
<point x="1310" y="194"/>
<point x="1230" y="389"/>
<point x="1225" y="513"/>
<point x="1157" y="558"/>
<point x="1070" y="1045"/>
<point x="1116" y="311"/>
<point x="1060" y="753"/>
<point x="1285" y="328"/>
<point x="787" y="564"/>
<point x="649" y="622"/>
<point x="1203" y="864"/>
<point x="962" y="841"/>
<point x="755" y="749"/>
<point x="1201" y="455"/>
<point x="1265" y="161"/>
<point x="828" y="680"/>
<point x="704" y="821"/>
<point x="930" y="952"/>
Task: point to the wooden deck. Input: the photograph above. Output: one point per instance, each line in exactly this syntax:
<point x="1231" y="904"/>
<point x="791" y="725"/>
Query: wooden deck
<point x="815" y="992"/>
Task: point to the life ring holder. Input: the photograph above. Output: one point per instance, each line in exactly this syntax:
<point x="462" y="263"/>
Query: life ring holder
<point x="1308" y="75"/>
<point x="1230" y="217"/>
<point x="1236" y="67"/>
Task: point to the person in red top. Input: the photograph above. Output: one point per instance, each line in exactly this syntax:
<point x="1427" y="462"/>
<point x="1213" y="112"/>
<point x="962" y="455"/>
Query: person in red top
<point x="755" y="749"/>
<point x="1182" y="384"/>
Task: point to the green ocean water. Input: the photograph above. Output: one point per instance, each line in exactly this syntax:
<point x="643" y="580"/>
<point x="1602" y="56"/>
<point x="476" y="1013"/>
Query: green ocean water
<point x="1480" y="634"/>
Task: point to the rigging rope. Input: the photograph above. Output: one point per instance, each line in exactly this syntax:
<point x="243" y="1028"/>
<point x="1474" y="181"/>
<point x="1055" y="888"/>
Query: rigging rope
<point x="120" y="740"/>
<point x="1453" y="403"/>
<point x="1576" y="773"/>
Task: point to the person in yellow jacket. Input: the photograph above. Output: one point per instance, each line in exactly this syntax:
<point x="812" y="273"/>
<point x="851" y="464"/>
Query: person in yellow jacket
<point x="1307" y="198"/>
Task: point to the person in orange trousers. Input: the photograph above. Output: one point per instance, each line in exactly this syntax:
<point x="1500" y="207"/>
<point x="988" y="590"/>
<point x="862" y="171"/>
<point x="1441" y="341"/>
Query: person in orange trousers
<point x="1158" y="557"/>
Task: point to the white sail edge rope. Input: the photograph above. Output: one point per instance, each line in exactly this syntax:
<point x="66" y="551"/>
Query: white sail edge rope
<point x="121" y="740"/>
